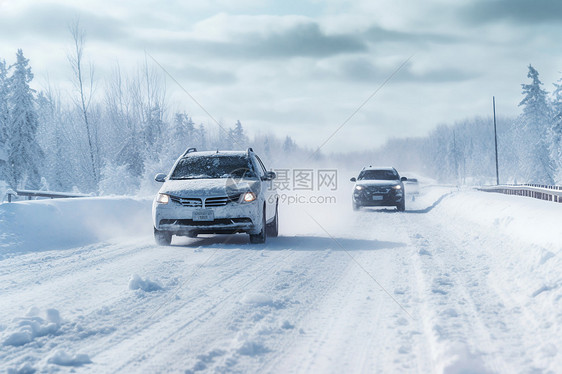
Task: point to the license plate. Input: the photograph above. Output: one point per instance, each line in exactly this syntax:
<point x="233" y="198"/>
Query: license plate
<point x="203" y="215"/>
<point x="377" y="197"/>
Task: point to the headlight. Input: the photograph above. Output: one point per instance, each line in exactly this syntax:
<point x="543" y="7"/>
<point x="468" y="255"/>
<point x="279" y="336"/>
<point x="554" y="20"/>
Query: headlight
<point x="359" y="188"/>
<point x="397" y="187"/>
<point x="163" y="198"/>
<point x="248" y="197"/>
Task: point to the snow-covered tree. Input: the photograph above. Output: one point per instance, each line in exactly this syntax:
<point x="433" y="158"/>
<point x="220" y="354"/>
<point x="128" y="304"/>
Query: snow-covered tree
<point x="84" y="84"/>
<point x="289" y="145"/>
<point x="4" y="116"/>
<point x="117" y="180"/>
<point x="202" y="134"/>
<point x="24" y="154"/>
<point x="4" y="113"/>
<point x="58" y="164"/>
<point x="536" y="121"/>
<point x="152" y="131"/>
<point x="556" y="131"/>
<point x="239" y="138"/>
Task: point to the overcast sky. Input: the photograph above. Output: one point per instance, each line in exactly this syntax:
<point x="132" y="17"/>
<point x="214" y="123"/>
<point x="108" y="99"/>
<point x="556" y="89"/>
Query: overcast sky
<point x="303" y="67"/>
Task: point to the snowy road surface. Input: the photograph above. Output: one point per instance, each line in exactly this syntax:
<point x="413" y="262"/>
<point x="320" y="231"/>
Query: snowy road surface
<point x="464" y="281"/>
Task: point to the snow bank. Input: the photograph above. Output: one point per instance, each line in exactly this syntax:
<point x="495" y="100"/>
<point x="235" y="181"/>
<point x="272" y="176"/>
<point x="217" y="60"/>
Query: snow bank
<point x="530" y="220"/>
<point x="37" y="225"/>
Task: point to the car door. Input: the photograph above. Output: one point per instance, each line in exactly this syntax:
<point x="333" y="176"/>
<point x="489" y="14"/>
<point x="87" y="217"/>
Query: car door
<point x="268" y="190"/>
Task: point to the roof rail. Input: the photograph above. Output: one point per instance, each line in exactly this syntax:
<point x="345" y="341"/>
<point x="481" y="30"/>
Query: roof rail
<point x="189" y="150"/>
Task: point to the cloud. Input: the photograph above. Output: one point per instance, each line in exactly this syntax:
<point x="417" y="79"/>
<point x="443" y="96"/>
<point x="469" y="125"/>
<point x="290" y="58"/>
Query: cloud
<point x="51" y="21"/>
<point x="195" y="73"/>
<point x="364" y="71"/>
<point x="378" y="34"/>
<point x="253" y="37"/>
<point x="517" y="11"/>
<point x="305" y="40"/>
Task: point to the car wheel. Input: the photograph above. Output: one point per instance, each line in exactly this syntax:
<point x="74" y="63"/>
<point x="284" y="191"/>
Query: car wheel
<point x="261" y="236"/>
<point x="162" y="237"/>
<point x="273" y="227"/>
<point x="356" y="206"/>
<point x="402" y="206"/>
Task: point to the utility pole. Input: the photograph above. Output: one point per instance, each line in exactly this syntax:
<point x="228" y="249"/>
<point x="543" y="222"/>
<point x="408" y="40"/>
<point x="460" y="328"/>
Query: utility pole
<point x="496" y="141"/>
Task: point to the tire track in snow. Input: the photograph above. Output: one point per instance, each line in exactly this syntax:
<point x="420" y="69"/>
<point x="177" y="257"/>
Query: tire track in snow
<point x="457" y="303"/>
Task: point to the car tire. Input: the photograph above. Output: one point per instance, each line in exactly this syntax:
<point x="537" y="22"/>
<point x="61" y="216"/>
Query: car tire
<point x="356" y="206"/>
<point x="162" y="237"/>
<point x="402" y="206"/>
<point x="261" y="236"/>
<point x="273" y="227"/>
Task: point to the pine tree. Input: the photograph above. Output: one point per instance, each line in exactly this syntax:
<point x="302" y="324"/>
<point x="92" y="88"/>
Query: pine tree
<point x="267" y="148"/>
<point x="152" y="129"/>
<point x="239" y="138"/>
<point x="24" y="154"/>
<point x="536" y="119"/>
<point x="556" y="131"/>
<point x="4" y="116"/>
<point x="202" y="137"/>
<point x="3" y="102"/>
<point x="58" y="172"/>
<point x="288" y="145"/>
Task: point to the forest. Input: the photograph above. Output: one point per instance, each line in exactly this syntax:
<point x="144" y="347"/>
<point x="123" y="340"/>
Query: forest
<point x="113" y="136"/>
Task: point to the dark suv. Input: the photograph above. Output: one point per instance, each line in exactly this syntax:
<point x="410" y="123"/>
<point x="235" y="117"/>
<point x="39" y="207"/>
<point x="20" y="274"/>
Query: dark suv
<point x="379" y="186"/>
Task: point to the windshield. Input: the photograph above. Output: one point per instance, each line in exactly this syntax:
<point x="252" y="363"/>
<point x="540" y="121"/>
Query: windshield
<point x="211" y="167"/>
<point x="387" y="175"/>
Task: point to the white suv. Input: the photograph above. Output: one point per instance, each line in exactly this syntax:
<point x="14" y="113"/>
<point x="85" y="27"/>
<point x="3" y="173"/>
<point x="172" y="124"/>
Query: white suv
<point x="222" y="192"/>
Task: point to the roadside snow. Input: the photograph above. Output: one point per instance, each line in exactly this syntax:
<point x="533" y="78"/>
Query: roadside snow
<point x="531" y="220"/>
<point x="38" y="225"/>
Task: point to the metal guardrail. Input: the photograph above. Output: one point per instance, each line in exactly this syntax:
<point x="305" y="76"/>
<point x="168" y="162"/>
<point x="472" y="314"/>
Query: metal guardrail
<point x="47" y="194"/>
<point x="537" y="191"/>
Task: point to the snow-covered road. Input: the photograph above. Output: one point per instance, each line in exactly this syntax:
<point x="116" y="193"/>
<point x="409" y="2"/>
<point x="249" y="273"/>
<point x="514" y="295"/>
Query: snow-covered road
<point x="462" y="281"/>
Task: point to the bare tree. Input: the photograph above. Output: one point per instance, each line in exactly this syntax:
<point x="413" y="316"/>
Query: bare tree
<point x="84" y="83"/>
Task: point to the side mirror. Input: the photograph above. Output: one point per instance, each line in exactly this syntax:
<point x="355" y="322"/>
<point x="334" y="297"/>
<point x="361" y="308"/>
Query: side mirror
<point x="403" y="179"/>
<point x="270" y="175"/>
<point x="160" y="177"/>
<point x="353" y="179"/>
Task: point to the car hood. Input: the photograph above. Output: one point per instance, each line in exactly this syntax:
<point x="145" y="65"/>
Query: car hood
<point x="376" y="182"/>
<point x="208" y="187"/>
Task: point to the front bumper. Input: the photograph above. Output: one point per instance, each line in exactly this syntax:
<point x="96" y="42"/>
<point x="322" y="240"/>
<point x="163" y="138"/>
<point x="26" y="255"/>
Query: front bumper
<point x="368" y="198"/>
<point x="231" y="218"/>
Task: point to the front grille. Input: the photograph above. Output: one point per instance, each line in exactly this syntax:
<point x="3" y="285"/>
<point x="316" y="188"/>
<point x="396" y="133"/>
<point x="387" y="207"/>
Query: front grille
<point x="187" y="201"/>
<point x="217" y="201"/>
<point x="216" y="222"/>
<point x="196" y="202"/>
<point x="378" y="189"/>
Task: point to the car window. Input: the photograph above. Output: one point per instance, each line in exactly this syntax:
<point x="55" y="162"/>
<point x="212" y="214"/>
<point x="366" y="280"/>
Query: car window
<point x="219" y="166"/>
<point x="378" y="175"/>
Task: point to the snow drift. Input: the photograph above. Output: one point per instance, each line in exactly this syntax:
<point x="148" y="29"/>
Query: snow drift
<point x="29" y="226"/>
